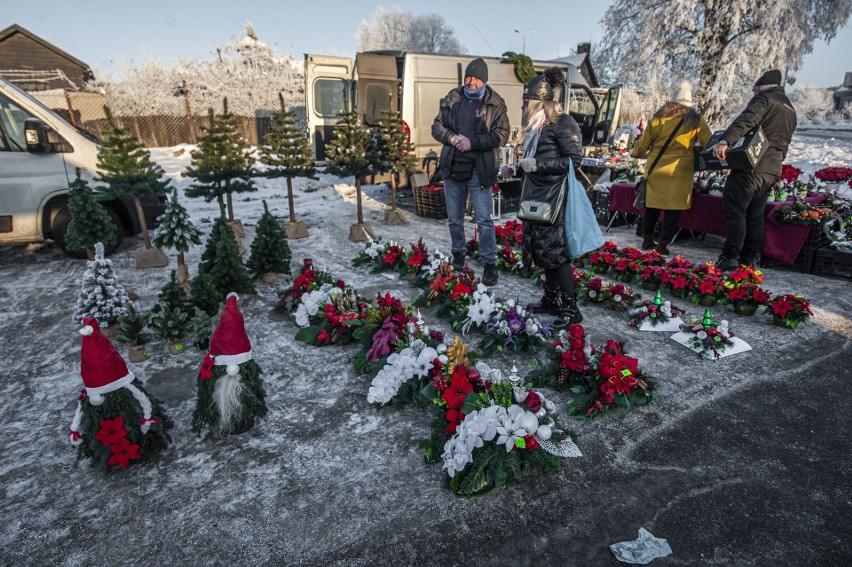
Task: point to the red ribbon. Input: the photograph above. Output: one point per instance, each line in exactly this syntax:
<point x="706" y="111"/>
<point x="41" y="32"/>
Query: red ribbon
<point x="207" y="367"/>
<point x="143" y="420"/>
<point x="74" y="435"/>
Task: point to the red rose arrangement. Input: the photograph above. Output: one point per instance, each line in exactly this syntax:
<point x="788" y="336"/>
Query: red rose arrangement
<point x="790" y="173"/>
<point x="834" y="174"/>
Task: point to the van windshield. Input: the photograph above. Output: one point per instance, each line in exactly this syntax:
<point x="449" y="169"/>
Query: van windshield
<point x="38" y="103"/>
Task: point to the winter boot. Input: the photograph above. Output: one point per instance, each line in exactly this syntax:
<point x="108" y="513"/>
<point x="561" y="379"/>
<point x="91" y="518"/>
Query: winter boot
<point x="727" y="264"/>
<point x="648" y="241"/>
<point x="569" y="313"/>
<point x="489" y="275"/>
<point x="548" y="304"/>
<point x="458" y="261"/>
<point x="662" y="248"/>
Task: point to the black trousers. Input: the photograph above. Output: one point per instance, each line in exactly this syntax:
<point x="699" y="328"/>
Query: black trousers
<point x="743" y="203"/>
<point x="669" y="224"/>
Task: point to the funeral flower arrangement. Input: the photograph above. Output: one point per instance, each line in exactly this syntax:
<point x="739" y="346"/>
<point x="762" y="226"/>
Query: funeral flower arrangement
<point x="711" y="337"/>
<point x="391" y="256"/>
<point x="309" y="279"/>
<point x="789" y="310"/>
<point x="329" y="315"/>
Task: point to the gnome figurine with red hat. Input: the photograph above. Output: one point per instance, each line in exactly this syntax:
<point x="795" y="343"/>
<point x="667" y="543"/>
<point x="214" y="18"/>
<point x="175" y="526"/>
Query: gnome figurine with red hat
<point x="116" y="421"/>
<point x="230" y="391"/>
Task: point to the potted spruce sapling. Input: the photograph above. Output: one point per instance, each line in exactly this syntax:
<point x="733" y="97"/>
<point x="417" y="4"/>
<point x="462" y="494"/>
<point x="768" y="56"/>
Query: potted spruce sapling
<point x="270" y="253"/>
<point x="171" y="325"/>
<point x="131" y="331"/>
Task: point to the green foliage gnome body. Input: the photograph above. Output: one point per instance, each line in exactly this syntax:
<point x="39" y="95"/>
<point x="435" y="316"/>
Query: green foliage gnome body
<point x="116" y="422"/>
<point x="270" y="253"/>
<point x="221" y="166"/>
<point x="230" y="392"/>
<point x="127" y="169"/>
<point x="399" y="155"/>
<point x="176" y="231"/>
<point x="355" y="151"/>
<point x="90" y="223"/>
<point x="288" y="154"/>
<point x="100" y="295"/>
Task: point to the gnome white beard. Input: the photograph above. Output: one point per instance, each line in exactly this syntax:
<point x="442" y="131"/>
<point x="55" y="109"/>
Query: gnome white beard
<point x="229" y="390"/>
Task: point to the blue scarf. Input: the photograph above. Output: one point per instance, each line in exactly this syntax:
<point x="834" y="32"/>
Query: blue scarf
<point x="474" y="93"/>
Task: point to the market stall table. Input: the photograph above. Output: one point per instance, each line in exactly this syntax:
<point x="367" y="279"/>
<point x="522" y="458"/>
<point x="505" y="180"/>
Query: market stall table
<point x="781" y="241"/>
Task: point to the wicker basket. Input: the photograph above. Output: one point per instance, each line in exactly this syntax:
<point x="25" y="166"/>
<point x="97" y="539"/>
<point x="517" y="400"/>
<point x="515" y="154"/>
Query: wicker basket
<point x="429" y="202"/>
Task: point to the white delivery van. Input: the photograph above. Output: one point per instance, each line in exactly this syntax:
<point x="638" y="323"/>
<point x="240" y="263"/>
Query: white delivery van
<point x="39" y="154"/>
<point x="413" y="85"/>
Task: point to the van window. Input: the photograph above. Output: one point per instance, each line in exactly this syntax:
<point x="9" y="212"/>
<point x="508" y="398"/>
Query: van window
<point x="580" y="102"/>
<point x="12" y="118"/>
<point x="378" y="99"/>
<point x="329" y="97"/>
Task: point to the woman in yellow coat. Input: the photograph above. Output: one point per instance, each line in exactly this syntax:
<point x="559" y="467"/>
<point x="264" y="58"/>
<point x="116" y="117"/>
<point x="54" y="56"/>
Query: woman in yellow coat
<point x="669" y="187"/>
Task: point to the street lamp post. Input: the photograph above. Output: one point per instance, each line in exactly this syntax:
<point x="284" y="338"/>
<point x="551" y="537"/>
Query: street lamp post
<point x="524" y="35"/>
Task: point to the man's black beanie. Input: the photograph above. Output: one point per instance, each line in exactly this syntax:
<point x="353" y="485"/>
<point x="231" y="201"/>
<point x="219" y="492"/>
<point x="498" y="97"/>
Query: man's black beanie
<point x="772" y="77"/>
<point x="477" y="68"/>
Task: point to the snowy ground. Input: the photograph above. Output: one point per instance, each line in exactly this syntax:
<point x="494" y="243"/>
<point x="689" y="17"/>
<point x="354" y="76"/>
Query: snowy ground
<point x="744" y="461"/>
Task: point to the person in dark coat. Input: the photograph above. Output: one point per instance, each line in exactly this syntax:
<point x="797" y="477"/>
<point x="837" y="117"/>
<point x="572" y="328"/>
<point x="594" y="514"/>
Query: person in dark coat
<point x="472" y="123"/>
<point x="551" y="141"/>
<point x="746" y="192"/>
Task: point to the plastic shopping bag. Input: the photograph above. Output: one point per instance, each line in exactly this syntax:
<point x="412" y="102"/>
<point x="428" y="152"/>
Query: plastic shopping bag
<point x="583" y="234"/>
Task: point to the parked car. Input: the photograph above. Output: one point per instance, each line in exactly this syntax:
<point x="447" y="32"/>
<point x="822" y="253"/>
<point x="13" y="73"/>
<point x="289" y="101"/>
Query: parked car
<point x="39" y="154"/>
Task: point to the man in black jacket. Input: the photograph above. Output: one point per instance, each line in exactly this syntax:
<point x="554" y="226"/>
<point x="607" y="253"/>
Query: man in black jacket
<point x="472" y="124"/>
<point x="746" y="192"/>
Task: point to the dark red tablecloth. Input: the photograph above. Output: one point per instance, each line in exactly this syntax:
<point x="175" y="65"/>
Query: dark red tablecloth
<point x="780" y="241"/>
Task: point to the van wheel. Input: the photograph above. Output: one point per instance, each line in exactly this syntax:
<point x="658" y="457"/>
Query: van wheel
<point x="59" y="229"/>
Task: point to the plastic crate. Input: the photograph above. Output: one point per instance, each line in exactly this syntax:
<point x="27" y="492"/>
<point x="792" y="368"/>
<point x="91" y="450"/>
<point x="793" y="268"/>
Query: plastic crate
<point x="429" y="202"/>
<point x="806" y="259"/>
<point x="833" y="263"/>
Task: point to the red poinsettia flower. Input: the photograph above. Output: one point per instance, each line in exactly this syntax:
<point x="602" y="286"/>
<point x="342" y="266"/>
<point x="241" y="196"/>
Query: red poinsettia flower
<point x="416" y="259"/>
<point x="460" y="290"/>
<point x="738" y="293"/>
<point x="459" y="389"/>
<point x="123" y="452"/>
<point x="759" y="296"/>
<point x="574" y="360"/>
<point x="112" y="431"/>
<point x="620" y="383"/>
<point x="323" y="337"/>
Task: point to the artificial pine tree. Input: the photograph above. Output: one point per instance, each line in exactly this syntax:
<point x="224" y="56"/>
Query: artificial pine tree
<point x="127" y="169"/>
<point x="171" y="294"/>
<point x="200" y="327"/>
<point x="270" y="253"/>
<point x="226" y="269"/>
<point x="90" y="222"/>
<point x="131" y="331"/>
<point x="399" y="154"/>
<point x="355" y="151"/>
<point x="288" y="154"/>
<point x="171" y="325"/>
<point x="221" y="165"/>
<point x="205" y="296"/>
<point x="177" y="231"/>
<point x="209" y="253"/>
<point x="100" y="296"/>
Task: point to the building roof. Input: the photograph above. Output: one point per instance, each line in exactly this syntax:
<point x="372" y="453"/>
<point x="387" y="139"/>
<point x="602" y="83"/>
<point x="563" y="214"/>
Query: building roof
<point x="15" y="28"/>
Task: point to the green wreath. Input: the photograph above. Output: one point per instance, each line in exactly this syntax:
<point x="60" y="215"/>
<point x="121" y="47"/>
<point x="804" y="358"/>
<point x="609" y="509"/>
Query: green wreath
<point x="524" y="70"/>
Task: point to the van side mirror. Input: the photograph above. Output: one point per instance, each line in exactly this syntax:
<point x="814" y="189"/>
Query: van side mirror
<point x="36" y="134"/>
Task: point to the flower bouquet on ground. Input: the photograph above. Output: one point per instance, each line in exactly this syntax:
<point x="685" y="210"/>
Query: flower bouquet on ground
<point x="655" y="312"/>
<point x="329" y="315"/>
<point x="601" y="261"/>
<point x="385" y="327"/>
<point x="707" y="337"/>
<point x="746" y="298"/>
<point x="789" y="310"/>
<point x="512" y="327"/>
<point x="593" y="291"/>
<point x="570" y="360"/>
<point x="371" y="255"/>
<point x="308" y="280"/>
<point x="619" y="297"/>
<point x="488" y="431"/>
<point x="407" y="375"/>
<point x="512" y="232"/>
<point x="709" y="291"/>
<point x="416" y="257"/>
<point x="449" y="293"/>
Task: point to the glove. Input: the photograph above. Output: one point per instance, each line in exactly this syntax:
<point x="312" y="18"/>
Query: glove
<point x="528" y="164"/>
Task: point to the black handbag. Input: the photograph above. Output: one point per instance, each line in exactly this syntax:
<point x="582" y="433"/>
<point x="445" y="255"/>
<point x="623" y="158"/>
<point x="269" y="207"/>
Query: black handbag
<point x="639" y="201"/>
<point x="542" y="199"/>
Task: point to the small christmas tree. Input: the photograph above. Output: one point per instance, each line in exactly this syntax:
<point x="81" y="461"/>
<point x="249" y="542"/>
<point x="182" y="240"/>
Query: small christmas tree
<point x="230" y="392"/>
<point x="177" y="231"/>
<point x="221" y="164"/>
<point x="100" y="295"/>
<point x="270" y="252"/>
<point x="171" y="325"/>
<point x="226" y="269"/>
<point x="131" y="331"/>
<point x="201" y="331"/>
<point x="287" y="152"/>
<point x="205" y="296"/>
<point x="209" y="253"/>
<point x="171" y="294"/>
<point x="127" y="169"/>
<point x="399" y="154"/>
<point x="116" y="422"/>
<point x="355" y="151"/>
<point x="90" y="222"/>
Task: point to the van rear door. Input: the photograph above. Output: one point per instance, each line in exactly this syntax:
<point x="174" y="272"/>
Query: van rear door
<point x="328" y="94"/>
<point x="378" y="88"/>
<point x="608" y="115"/>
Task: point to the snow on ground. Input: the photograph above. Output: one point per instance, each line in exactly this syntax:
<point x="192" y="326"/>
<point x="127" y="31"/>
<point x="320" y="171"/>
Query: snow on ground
<point x="740" y="461"/>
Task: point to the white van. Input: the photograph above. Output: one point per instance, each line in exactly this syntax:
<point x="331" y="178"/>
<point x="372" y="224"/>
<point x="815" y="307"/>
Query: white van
<point x="39" y="154"/>
<point x="414" y="84"/>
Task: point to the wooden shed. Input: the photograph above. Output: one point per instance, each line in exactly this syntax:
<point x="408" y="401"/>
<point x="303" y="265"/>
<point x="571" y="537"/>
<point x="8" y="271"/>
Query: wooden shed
<point x="35" y="64"/>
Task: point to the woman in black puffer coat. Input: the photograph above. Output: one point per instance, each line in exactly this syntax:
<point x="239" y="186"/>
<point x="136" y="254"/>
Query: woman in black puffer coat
<point x="551" y="139"/>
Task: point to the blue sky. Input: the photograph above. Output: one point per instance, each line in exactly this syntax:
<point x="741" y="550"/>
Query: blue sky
<point x="111" y="34"/>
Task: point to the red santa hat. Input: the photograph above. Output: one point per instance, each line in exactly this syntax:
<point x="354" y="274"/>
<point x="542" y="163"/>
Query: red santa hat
<point x="102" y="368"/>
<point x="229" y="345"/>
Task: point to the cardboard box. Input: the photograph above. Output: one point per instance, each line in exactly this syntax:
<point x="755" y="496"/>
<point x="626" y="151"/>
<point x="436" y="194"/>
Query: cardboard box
<point x="743" y="155"/>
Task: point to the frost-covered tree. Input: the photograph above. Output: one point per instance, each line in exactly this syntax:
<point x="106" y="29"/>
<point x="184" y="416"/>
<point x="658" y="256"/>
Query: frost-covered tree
<point x="127" y="169"/>
<point x="177" y="231"/>
<point x="287" y="152"/>
<point x="397" y="148"/>
<point x="90" y="223"/>
<point x="221" y="165"/>
<point x="270" y="252"/>
<point x="722" y="46"/>
<point x="395" y="29"/>
<point x="100" y="295"/>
